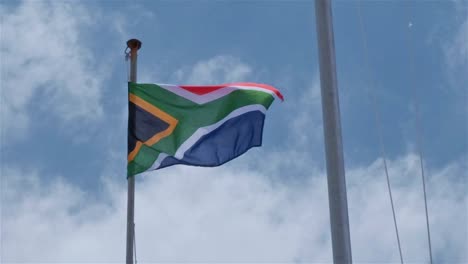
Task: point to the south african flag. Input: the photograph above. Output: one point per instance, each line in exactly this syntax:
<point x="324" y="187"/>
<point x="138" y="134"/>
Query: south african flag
<point x="194" y="125"/>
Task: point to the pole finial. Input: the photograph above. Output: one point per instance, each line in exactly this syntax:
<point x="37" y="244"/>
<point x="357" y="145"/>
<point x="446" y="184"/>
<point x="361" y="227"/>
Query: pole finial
<point x="134" y="44"/>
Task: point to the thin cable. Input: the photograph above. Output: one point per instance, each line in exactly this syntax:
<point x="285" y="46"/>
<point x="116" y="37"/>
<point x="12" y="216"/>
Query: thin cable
<point x="127" y="63"/>
<point x="379" y="130"/>
<point x="419" y="133"/>
<point x="134" y="243"/>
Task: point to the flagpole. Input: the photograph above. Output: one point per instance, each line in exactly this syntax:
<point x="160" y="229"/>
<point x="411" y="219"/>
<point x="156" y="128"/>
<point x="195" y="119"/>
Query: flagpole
<point x="337" y="199"/>
<point x="134" y="45"/>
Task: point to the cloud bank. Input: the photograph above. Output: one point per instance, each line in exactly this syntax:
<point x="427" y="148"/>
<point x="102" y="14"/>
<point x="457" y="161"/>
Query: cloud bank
<point x="231" y="214"/>
<point x="46" y="65"/>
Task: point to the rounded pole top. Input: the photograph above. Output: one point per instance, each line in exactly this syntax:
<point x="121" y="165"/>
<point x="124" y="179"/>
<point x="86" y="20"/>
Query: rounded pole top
<point x="134" y="44"/>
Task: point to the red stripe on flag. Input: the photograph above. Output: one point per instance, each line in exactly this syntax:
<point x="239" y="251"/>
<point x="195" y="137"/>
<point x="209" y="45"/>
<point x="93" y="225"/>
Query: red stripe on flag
<point x="201" y="90"/>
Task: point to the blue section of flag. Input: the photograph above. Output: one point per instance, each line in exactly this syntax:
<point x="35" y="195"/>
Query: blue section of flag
<point x="230" y="140"/>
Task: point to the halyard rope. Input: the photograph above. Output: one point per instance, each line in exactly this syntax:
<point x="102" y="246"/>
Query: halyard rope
<point x="127" y="63"/>
<point x="419" y="133"/>
<point x="379" y="127"/>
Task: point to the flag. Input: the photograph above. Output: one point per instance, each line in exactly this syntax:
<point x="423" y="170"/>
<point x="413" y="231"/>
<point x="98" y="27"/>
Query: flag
<point x="194" y="125"/>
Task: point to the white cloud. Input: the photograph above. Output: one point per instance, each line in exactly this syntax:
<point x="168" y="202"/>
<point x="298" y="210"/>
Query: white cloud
<point x="44" y="58"/>
<point x="216" y="70"/>
<point x="456" y="48"/>
<point x="232" y="215"/>
<point x="309" y="116"/>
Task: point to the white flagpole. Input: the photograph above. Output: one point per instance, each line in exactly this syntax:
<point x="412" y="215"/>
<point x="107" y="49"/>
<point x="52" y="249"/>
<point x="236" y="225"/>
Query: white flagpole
<point x="337" y="199"/>
<point x="134" y="45"/>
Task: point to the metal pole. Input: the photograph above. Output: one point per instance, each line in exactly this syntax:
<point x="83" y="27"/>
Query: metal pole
<point x="134" y="45"/>
<point x="337" y="199"/>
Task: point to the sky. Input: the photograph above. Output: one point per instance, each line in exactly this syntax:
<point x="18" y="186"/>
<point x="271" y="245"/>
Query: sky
<point x="63" y="123"/>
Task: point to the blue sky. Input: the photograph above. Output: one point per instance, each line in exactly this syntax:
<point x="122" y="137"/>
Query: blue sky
<point x="63" y="124"/>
